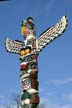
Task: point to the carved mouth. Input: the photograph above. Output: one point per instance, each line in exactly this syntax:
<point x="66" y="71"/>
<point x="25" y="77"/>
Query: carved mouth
<point x="26" y="32"/>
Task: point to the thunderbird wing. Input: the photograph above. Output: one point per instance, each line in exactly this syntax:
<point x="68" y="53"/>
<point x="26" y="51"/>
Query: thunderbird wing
<point x="52" y="33"/>
<point x="13" y="46"/>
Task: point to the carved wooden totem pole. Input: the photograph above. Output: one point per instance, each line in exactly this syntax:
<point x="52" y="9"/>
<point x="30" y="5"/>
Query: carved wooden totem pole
<point x="28" y="51"/>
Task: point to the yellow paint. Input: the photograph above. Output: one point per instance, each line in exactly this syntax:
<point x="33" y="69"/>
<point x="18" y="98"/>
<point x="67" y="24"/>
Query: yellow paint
<point x="27" y="51"/>
<point x="23" y="29"/>
<point x="24" y="52"/>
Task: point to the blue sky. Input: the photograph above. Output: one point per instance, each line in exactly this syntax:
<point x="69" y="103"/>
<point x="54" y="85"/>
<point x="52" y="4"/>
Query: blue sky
<point x="55" y="61"/>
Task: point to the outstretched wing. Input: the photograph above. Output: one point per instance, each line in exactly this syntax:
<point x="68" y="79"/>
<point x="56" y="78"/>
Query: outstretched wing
<point x="13" y="46"/>
<point x="52" y="33"/>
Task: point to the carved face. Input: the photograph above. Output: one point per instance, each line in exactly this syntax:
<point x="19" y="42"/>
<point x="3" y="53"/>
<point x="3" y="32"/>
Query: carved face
<point x="27" y="28"/>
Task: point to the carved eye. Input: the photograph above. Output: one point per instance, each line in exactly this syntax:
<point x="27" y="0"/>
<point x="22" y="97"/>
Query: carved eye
<point x="27" y="81"/>
<point x="28" y="26"/>
<point x="30" y="42"/>
<point x="29" y="58"/>
<point x="33" y="65"/>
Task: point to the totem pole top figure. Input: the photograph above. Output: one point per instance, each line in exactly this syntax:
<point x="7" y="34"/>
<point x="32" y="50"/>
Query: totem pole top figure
<point x="28" y="28"/>
<point x="28" y="31"/>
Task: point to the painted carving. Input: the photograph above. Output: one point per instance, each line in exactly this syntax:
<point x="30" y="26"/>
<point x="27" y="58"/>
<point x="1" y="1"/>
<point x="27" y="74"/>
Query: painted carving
<point x="28" y="51"/>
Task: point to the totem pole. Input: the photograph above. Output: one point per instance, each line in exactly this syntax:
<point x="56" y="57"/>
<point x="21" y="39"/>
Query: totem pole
<point x="28" y="51"/>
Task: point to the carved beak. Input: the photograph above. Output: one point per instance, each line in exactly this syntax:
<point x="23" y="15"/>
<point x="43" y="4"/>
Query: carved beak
<point x="24" y="31"/>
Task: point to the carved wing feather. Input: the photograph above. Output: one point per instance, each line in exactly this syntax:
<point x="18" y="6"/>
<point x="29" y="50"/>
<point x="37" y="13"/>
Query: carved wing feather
<point x="52" y="33"/>
<point x="13" y="46"/>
